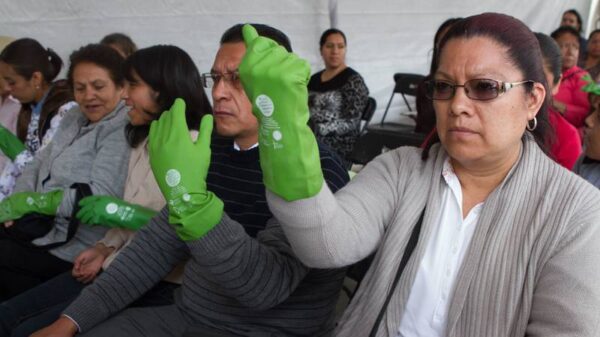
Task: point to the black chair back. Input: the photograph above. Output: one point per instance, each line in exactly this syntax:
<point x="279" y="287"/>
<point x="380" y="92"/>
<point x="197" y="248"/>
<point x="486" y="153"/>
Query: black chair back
<point x="406" y="84"/>
<point x="368" y="113"/>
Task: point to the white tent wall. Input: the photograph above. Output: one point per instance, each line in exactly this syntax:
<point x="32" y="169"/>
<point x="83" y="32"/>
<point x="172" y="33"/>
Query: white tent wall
<point x="384" y="36"/>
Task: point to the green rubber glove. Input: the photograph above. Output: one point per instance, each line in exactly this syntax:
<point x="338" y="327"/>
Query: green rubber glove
<point x="113" y="212"/>
<point x="10" y="145"/>
<point x="19" y="204"/>
<point x="180" y="167"/>
<point x="276" y="84"/>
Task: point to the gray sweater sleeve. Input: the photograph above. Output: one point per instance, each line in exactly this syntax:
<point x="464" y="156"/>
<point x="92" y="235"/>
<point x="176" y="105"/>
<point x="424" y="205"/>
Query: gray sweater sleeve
<point x="258" y="272"/>
<point x="330" y="231"/>
<point x="152" y="254"/>
<point x="565" y="299"/>
<point x="108" y="170"/>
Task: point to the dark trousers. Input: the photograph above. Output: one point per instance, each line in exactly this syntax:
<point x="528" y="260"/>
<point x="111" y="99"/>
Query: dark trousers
<point x="22" y="267"/>
<point x="41" y="306"/>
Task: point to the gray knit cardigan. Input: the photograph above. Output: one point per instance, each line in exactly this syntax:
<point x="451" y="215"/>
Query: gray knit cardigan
<point x="531" y="269"/>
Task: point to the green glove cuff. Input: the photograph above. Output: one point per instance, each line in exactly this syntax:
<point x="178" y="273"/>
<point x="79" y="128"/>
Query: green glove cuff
<point x="207" y="211"/>
<point x="10" y="144"/>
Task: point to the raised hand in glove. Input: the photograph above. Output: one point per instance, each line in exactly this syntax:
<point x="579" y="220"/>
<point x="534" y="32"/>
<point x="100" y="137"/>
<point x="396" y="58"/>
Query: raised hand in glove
<point x="275" y="81"/>
<point x="180" y="167"/>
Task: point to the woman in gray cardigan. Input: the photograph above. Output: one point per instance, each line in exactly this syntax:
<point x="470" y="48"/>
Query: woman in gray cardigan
<point x="506" y="242"/>
<point x="89" y="147"/>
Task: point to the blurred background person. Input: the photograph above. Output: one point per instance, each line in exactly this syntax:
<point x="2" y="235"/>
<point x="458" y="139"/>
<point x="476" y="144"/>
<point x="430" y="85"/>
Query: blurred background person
<point x="570" y="101"/>
<point x="121" y="43"/>
<point x="337" y="97"/>
<point x="572" y="18"/>
<point x="565" y="144"/>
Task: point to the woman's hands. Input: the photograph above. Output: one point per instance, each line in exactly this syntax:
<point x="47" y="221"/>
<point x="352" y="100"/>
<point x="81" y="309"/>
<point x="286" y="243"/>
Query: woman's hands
<point x="88" y="263"/>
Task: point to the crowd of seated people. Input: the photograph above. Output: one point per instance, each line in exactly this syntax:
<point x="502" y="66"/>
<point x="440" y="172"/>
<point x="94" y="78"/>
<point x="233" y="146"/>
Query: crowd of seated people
<point x="131" y="206"/>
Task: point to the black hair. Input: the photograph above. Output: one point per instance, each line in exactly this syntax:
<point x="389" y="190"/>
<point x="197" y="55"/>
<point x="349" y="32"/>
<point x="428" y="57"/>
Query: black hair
<point x="551" y="54"/>
<point x="521" y="48"/>
<point x="328" y="32"/>
<point x="436" y="40"/>
<point x="170" y="72"/>
<point x="560" y="31"/>
<point x="100" y="55"/>
<point x="594" y="32"/>
<point x="120" y="40"/>
<point x="27" y="56"/>
<point x="234" y="34"/>
<point x="577" y="16"/>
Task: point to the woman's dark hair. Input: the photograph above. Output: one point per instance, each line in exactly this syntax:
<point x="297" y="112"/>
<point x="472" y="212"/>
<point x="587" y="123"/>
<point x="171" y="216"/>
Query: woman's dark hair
<point x="577" y="16"/>
<point x="121" y="41"/>
<point x="27" y="56"/>
<point x="170" y="72"/>
<point x="594" y="32"/>
<point x="328" y="32"/>
<point x="560" y="31"/>
<point x="234" y="34"/>
<point x="100" y="55"/>
<point x="522" y="49"/>
<point x="436" y="41"/>
<point x="551" y="54"/>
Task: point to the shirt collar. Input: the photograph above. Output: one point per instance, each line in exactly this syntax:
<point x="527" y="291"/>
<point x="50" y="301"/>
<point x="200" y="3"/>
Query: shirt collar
<point x="237" y="147"/>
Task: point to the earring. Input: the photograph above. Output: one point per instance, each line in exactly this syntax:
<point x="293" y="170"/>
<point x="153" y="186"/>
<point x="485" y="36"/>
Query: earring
<point x="529" y="126"/>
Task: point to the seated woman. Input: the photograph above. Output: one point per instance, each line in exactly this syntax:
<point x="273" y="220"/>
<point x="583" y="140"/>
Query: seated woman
<point x="592" y="55"/>
<point x="565" y="146"/>
<point x="149" y="93"/>
<point x="29" y="69"/>
<point x="570" y="100"/>
<point x="479" y="235"/>
<point x="337" y="97"/>
<point x="89" y="148"/>
<point x="9" y="109"/>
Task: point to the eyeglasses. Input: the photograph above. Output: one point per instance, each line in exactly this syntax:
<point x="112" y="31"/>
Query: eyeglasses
<point x="480" y="89"/>
<point x="209" y="80"/>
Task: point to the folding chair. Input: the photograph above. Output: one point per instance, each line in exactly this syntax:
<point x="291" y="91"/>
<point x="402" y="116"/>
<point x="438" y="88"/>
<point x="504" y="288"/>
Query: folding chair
<point x="368" y="113"/>
<point x="406" y="84"/>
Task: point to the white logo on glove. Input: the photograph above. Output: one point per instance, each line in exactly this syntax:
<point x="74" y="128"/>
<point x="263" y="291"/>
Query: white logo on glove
<point x="277" y="135"/>
<point x="265" y="105"/>
<point x="173" y="177"/>
<point x="112" y="208"/>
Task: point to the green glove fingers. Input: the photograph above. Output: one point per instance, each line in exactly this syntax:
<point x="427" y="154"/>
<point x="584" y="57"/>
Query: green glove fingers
<point x="113" y="212"/>
<point x="276" y="82"/>
<point x="180" y="167"/>
<point x="19" y="204"/>
<point x="10" y="145"/>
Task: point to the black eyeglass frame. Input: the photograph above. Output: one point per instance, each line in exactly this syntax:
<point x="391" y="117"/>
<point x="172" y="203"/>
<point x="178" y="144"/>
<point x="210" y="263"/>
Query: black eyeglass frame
<point x="211" y="79"/>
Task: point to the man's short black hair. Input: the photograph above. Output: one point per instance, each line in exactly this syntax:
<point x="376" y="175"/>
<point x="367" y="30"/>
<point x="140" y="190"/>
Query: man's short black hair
<point x="234" y="34"/>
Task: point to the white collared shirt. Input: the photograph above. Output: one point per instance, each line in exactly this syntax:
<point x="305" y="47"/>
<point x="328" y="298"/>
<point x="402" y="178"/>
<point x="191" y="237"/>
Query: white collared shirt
<point x="426" y="311"/>
<point x="237" y="147"/>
